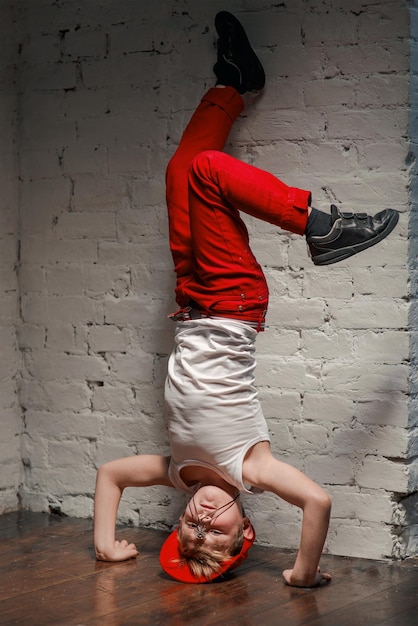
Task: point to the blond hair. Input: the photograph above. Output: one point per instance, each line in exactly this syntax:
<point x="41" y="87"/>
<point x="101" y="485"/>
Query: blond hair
<point x="204" y="562"/>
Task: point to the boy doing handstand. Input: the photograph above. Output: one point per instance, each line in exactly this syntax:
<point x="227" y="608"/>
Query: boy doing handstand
<point x="218" y="435"/>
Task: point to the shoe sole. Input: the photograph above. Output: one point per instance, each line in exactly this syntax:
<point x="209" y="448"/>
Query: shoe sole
<point x="334" y="256"/>
<point x="222" y="19"/>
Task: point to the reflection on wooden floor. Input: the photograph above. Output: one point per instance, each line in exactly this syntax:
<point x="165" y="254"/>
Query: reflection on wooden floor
<point x="48" y="575"/>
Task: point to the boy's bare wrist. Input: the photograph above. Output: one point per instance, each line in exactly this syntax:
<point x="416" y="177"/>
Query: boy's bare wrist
<point x="302" y="579"/>
<point x="102" y="552"/>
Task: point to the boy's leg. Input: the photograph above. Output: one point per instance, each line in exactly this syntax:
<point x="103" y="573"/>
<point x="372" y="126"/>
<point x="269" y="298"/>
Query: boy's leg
<point x="208" y="128"/>
<point x="228" y="281"/>
<point x="238" y="70"/>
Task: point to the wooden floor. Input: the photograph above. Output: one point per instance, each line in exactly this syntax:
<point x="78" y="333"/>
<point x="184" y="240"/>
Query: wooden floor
<point x="48" y="575"/>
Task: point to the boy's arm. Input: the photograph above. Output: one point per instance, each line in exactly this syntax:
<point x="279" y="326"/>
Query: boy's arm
<point x="262" y="470"/>
<point x="112" y="478"/>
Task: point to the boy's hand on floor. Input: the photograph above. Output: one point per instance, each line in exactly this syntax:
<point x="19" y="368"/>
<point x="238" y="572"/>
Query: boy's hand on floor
<point x="320" y="579"/>
<point x="122" y="551"/>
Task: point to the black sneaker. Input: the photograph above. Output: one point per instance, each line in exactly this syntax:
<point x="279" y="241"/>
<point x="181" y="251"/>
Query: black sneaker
<point x="237" y="64"/>
<point x="351" y="233"/>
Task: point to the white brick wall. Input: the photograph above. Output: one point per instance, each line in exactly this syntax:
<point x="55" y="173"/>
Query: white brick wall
<point x="105" y="90"/>
<point x="10" y="414"/>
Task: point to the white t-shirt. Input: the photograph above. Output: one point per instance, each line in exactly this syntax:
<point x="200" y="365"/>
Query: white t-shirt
<point x="213" y="410"/>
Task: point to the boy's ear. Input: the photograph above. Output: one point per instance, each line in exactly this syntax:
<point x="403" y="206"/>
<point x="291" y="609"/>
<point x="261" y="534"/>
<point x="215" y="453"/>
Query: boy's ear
<point x="248" y="529"/>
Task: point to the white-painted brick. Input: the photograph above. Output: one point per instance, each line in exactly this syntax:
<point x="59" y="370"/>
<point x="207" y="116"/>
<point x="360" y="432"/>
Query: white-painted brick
<point x="8" y="393"/>
<point x="359" y="441"/>
<point x="157" y="338"/>
<point x="10" y="427"/>
<point x="136" y="225"/>
<point x="77" y="506"/>
<point x="55" y="425"/>
<point x="33" y="500"/>
<point x="135" y="311"/>
<point x="369" y="313"/>
<point x="9" y="308"/>
<point x="365" y="124"/>
<point x="368" y="58"/>
<point x="382" y="24"/>
<point x="47" y="75"/>
<point x="380" y="473"/>
<point x="97" y="193"/>
<point x="330" y="470"/>
<point x="280" y="437"/>
<point x="326" y="345"/>
<point x="84" y="157"/>
<point x="319" y="407"/>
<point x="67" y="454"/>
<point x="108" y="451"/>
<point x="66" y="309"/>
<point x="9" y="362"/>
<point x="67" y="280"/>
<point x="283" y="284"/>
<point x="280" y="405"/>
<point x="390" y="410"/>
<point x="356" y="378"/>
<point x="319" y="27"/>
<point x="41" y="163"/>
<point x="84" y="42"/>
<point x="55" y="396"/>
<point x="132" y="368"/>
<point x="272" y="256"/>
<point x="313" y="437"/>
<point x="38" y="250"/>
<point x="365" y="541"/>
<point x="278" y="342"/>
<point x="106" y="279"/>
<point x="34" y="450"/>
<point x="11" y="471"/>
<point x="9" y="500"/>
<point x="380" y="282"/>
<point x="8" y="278"/>
<point x="69" y="338"/>
<point x="108" y="338"/>
<point x="372" y="506"/>
<point x="131" y="253"/>
<point x="381" y="156"/>
<point x="48" y="365"/>
<point x="62" y="481"/>
<point x="295" y="313"/>
<point x="339" y="284"/>
<point x="383" y="347"/>
<point x="382" y="90"/>
<point x="78" y="225"/>
<point x="129" y="157"/>
<point x="143" y="430"/>
<point x="294" y="62"/>
<point x="13" y="474"/>
<point x="101" y="109"/>
<point x="116" y="400"/>
<point x="289" y="125"/>
<point x="287" y="374"/>
<point x="325" y="93"/>
<point x="267" y="157"/>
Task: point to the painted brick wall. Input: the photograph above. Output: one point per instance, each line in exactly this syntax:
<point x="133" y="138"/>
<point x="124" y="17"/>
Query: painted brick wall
<point x="105" y="90"/>
<point x="10" y="414"/>
<point x="410" y="501"/>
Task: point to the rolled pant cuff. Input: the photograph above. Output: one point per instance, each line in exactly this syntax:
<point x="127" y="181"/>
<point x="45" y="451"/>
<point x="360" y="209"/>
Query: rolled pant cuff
<point x="299" y="201"/>
<point x="226" y="98"/>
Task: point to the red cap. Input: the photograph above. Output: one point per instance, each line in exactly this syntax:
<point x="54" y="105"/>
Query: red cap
<point x="172" y="563"/>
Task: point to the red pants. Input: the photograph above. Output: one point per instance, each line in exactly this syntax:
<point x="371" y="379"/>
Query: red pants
<point x="216" y="270"/>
